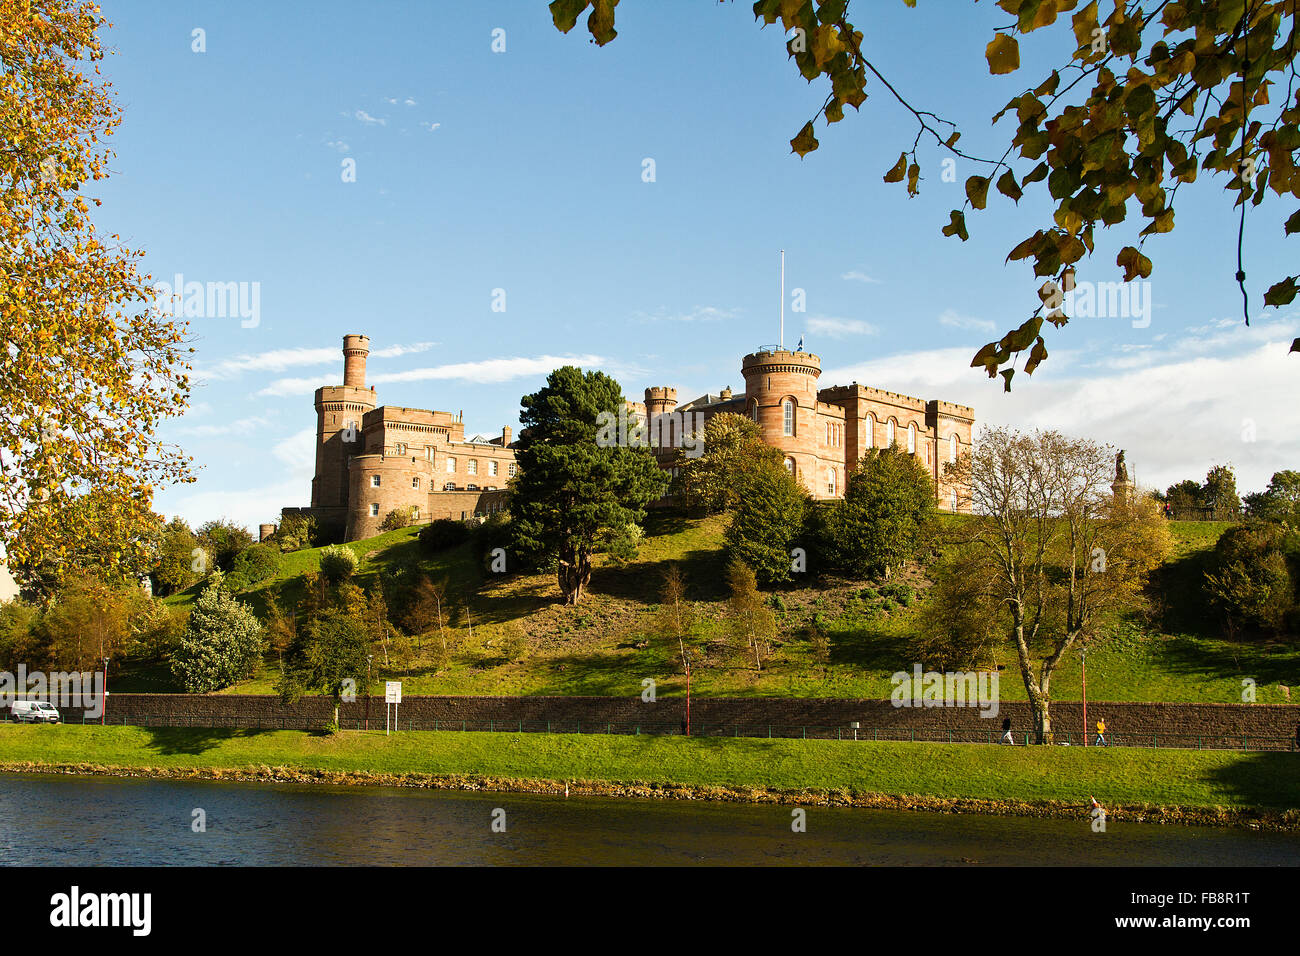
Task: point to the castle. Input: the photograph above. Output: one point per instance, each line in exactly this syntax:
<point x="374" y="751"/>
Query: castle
<point x="373" y="459"/>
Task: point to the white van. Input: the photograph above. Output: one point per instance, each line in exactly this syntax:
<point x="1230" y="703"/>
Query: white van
<point x="35" y="712"/>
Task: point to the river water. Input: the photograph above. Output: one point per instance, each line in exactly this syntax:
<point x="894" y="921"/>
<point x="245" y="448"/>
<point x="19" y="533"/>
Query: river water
<point x="93" y="821"/>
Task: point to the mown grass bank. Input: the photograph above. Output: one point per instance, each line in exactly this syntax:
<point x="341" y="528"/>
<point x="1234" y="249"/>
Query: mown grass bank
<point x="1221" y="788"/>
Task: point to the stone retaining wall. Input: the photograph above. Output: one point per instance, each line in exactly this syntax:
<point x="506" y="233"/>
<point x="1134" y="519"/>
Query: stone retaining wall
<point x="745" y="716"/>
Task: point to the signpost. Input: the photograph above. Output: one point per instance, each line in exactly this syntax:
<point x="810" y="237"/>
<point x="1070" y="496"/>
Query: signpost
<point x="392" y="695"/>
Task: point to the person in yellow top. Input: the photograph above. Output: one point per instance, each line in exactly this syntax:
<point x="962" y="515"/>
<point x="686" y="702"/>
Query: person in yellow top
<point x="1101" y="734"/>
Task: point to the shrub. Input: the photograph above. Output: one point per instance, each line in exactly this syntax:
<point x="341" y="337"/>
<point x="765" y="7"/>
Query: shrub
<point x="222" y="642"/>
<point x="338" y="562"/>
<point x="443" y="534"/>
<point x="398" y="518"/>
<point x="253" y="565"/>
<point x="1250" y="580"/>
<point x="296" y="532"/>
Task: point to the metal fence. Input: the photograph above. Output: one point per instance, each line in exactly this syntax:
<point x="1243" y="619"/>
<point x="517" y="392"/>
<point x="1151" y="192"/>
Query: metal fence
<point x="992" y="736"/>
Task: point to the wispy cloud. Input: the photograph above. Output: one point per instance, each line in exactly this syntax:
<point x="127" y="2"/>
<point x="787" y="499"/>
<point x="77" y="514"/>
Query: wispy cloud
<point x="429" y="126"/>
<point x="338" y="145"/>
<point x="278" y="360"/>
<point x="369" y="120"/>
<point x="236" y="427"/>
<point x="699" y="313"/>
<point x="838" y="328"/>
<point x="488" y="371"/>
<point x="857" y="275"/>
<point x="955" y="320"/>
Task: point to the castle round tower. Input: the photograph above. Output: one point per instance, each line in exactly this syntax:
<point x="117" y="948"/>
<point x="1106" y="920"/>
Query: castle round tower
<point x="659" y="400"/>
<point x="781" y="395"/>
<point x="339" y="411"/>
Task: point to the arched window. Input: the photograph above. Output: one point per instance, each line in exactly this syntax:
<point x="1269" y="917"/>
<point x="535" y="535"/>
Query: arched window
<point x="889" y="433"/>
<point x="871" y="431"/>
<point x="954" y="499"/>
<point x="911" y="439"/>
<point x="753" y="409"/>
<point x="830" y="481"/>
<point x="952" y="449"/>
<point x="787" y="417"/>
<point x="789" y="465"/>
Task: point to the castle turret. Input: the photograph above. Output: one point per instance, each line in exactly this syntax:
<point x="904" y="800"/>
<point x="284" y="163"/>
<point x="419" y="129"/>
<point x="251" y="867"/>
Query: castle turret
<point x="659" y="400"/>
<point x="781" y="395"/>
<point x="339" y="413"/>
<point x="355" y="349"/>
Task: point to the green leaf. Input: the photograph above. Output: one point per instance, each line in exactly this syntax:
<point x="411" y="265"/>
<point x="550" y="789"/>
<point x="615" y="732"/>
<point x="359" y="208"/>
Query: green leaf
<point x="565" y="13"/>
<point x="1281" y="293"/>
<point x="1008" y="186"/>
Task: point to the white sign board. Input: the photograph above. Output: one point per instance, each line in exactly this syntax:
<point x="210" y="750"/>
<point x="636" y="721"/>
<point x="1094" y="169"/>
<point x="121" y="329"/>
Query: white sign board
<point x="393" y="692"/>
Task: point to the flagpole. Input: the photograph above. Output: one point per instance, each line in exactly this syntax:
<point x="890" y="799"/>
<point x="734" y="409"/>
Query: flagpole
<point x="783" y="299"/>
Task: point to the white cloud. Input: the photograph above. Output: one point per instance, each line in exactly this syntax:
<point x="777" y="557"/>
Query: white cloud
<point x="298" y="451"/>
<point x="409" y="101"/>
<point x="236" y="427"/>
<point x="954" y="320"/>
<point x="429" y="126"/>
<point x="369" y="120"/>
<point x="1182" y="411"/>
<point x="338" y="144"/>
<point x="278" y="360"/>
<point x="700" y="313"/>
<point x="484" y="371"/>
<point x="857" y="275"/>
<point x="839" y="328"/>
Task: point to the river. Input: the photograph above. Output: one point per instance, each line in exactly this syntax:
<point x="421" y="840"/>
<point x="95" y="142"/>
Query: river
<point x="94" y="821"/>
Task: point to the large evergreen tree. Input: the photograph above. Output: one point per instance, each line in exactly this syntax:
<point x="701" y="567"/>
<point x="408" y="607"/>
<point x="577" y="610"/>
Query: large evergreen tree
<point x="767" y="521"/>
<point x="572" y="491"/>
<point x="887" y="510"/>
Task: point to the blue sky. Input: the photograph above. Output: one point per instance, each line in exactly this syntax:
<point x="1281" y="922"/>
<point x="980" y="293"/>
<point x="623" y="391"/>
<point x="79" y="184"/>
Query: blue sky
<point x="522" y="171"/>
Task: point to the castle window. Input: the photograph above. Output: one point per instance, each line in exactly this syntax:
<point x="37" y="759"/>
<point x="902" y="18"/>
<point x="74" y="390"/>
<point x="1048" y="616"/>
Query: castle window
<point x="449" y="486"/>
<point x="473" y="466"/>
<point x="374" y="510"/>
<point x="512" y="469"/>
<point x="952" y="449"/>
<point x="830" y="481"/>
<point x="789" y="465"/>
<point x="415" y="512"/>
<point x="911" y="439"/>
<point x="871" y="431"/>
<point x="471" y="487"/>
<point x="374" y="481"/>
<point x="753" y="409"/>
<point x="400" y="449"/>
<point x="415" y="482"/>
<point x="451" y="466"/>
<point x="889" y="433"/>
<point x="787" y="417"/>
<point x="492" y="468"/>
<point x="954" y="499"/>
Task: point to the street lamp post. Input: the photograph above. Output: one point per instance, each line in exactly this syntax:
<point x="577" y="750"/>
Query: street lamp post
<point x="1084" y="674"/>
<point x="369" y="658"/>
<point x="103" y="704"/>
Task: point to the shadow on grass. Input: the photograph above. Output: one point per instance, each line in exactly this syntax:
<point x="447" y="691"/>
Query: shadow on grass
<point x="1263" y="780"/>
<point x="191" y="741"/>
<point x="1265" y="662"/>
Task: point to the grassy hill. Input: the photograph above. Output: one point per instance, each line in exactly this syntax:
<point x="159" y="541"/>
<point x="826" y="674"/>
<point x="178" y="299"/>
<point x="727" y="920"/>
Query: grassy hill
<point x="607" y="645"/>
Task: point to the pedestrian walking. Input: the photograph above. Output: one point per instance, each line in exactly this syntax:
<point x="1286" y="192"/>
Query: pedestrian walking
<point x="1006" y="732"/>
<point x="1101" y="734"/>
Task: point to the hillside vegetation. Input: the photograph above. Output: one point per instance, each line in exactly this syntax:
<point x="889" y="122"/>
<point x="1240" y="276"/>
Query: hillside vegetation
<point x="609" y="643"/>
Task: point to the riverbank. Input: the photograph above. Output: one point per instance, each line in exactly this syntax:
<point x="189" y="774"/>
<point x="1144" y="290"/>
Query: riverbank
<point x="1216" y="788"/>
